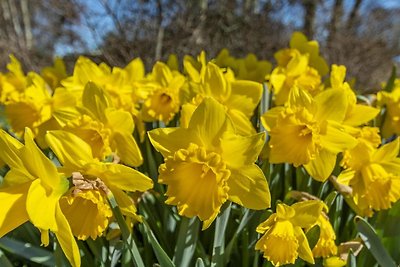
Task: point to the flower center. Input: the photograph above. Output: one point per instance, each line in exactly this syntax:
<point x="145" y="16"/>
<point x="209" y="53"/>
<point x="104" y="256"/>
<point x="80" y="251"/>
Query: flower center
<point x="197" y="182"/>
<point x="87" y="211"/>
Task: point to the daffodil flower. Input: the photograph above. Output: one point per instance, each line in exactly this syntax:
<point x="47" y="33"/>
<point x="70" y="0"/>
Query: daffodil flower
<point x="207" y="164"/>
<point x="239" y="97"/>
<point x="300" y="43"/>
<point x="391" y="101"/>
<point x="31" y="192"/>
<point x="297" y="73"/>
<point x="93" y="181"/>
<point x="325" y="246"/>
<point x="356" y="114"/>
<point x="373" y="174"/>
<point x="283" y="239"/>
<point x="163" y="101"/>
<point x="248" y="68"/>
<point x="308" y="131"/>
<point x="107" y="129"/>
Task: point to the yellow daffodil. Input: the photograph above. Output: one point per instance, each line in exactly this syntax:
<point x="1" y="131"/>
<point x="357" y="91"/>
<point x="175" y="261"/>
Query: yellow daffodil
<point x="356" y="114"/>
<point x="207" y="163"/>
<point x="373" y="174"/>
<point x="105" y="128"/>
<point x="31" y="192"/>
<point x="248" y="68"/>
<point x="325" y="246"/>
<point x="308" y="131"/>
<point x="297" y="73"/>
<point x="40" y="109"/>
<point x="239" y="97"/>
<point x="92" y="182"/>
<point x="163" y="101"/>
<point x="300" y="43"/>
<point x="14" y="82"/>
<point x="120" y="83"/>
<point x="391" y="101"/>
<point x="54" y="74"/>
<point x="283" y="239"/>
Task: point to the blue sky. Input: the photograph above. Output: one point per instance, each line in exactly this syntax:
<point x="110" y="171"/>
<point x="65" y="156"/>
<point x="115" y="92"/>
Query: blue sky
<point x="101" y="23"/>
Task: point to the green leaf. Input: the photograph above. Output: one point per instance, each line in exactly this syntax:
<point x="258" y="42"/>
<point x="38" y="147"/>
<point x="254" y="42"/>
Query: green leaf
<point x="243" y="222"/>
<point x="313" y="236"/>
<point x="390" y="84"/>
<point x="199" y="263"/>
<point x="373" y="243"/>
<point x="126" y="234"/>
<point x="351" y="260"/>
<point x="330" y="198"/>
<point x="27" y="251"/>
<point x="4" y="261"/>
<point x="186" y="242"/>
<point x="161" y="255"/>
<point x="219" y="237"/>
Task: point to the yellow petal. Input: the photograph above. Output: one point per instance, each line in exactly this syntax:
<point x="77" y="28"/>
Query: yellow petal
<point x="45" y="216"/>
<point x="119" y="121"/>
<point x="360" y="114"/>
<point x="301" y="98"/>
<point x="38" y="164"/>
<point x="307" y="213"/>
<point x="249" y="188"/>
<point x="69" y="148"/>
<point x="268" y="119"/>
<point x="241" y="122"/>
<point x="95" y="100"/>
<point x="336" y="139"/>
<point x="127" y="149"/>
<point x="13" y="210"/>
<point x="214" y="83"/>
<point x="332" y="105"/>
<point x="9" y="150"/>
<point x="245" y="96"/>
<point x="209" y="121"/>
<point x="304" y="248"/>
<point x="346" y="176"/>
<point x="169" y="140"/>
<point x="66" y="239"/>
<point x="125" y="203"/>
<point x="321" y="168"/>
<point x="387" y="152"/>
<point x="125" y="178"/>
<point x="241" y="150"/>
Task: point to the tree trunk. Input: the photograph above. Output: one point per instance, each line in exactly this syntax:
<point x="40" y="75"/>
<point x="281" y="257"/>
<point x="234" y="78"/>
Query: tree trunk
<point x="337" y="13"/>
<point x="310" y="7"/>
<point x="160" y="33"/>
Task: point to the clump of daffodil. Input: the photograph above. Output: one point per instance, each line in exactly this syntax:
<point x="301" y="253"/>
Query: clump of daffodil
<point x="296" y="73"/>
<point x="373" y="173"/>
<point x="391" y="101"/>
<point x="356" y="114"/>
<point x="34" y="104"/>
<point x="31" y="191"/>
<point x="163" y="100"/>
<point x="93" y="182"/>
<point x="207" y="164"/>
<point x="53" y="75"/>
<point x="248" y="68"/>
<point x="283" y="239"/>
<point x="307" y="131"/>
<point x="120" y="83"/>
<point x="107" y="129"/>
<point x="239" y="97"/>
<point x="300" y="43"/>
<point x="14" y="82"/>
